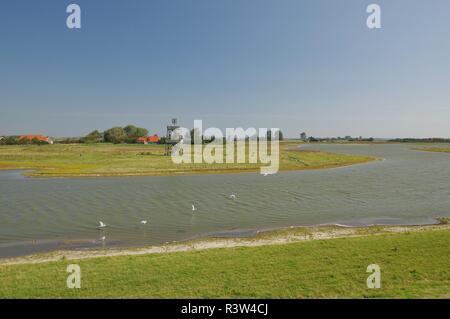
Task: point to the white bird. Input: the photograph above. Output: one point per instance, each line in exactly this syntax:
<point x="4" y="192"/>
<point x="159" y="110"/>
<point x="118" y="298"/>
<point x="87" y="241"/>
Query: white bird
<point x="265" y="174"/>
<point x="103" y="238"/>
<point x="101" y="224"/>
<point x="232" y="196"/>
<point x="143" y="222"/>
<point x="193" y="208"/>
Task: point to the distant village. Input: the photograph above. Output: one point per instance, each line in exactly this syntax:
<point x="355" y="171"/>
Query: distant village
<point x="132" y="134"/>
<point x="347" y="138"/>
<point x="129" y="134"/>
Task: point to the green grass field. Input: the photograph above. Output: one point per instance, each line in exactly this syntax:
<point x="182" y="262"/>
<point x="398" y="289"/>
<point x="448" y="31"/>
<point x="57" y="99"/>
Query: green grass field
<point x="127" y="160"/>
<point x="413" y="265"/>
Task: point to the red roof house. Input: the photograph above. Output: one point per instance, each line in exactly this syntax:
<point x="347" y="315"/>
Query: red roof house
<point x="142" y="140"/>
<point x="31" y="137"/>
<point x="153" y="139"/>
<point x="149" y="139"/>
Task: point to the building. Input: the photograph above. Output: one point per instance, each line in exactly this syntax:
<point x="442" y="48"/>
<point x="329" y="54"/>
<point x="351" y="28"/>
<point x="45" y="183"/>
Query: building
<point x="31" y="137"/>
<point x="153" y="139"/>
<point x="172" y="136"/>
<point x="303" y="136"/>
<point x="149" y="139"/>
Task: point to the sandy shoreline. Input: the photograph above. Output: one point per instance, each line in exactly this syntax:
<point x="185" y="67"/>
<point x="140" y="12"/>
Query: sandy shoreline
<point x="275" y="237"/>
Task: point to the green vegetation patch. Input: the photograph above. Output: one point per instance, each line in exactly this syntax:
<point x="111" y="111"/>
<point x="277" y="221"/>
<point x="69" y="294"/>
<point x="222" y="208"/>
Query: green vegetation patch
<point x="90" y="160"/>
<point x="413" y="265"/>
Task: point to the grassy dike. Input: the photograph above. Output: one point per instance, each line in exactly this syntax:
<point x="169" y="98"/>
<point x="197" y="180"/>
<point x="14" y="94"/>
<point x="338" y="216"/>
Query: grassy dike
<point x="84" y="160"/>
<point x="414" y="261"/>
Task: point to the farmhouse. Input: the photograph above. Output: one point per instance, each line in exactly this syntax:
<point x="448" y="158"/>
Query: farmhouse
<point x="149" y="139"/>
<point x="31" y="137"/>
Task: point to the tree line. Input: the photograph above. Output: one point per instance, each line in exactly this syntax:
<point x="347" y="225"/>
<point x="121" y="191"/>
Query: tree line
<point x="16" y="140"/>
<point x="116" y="135"/>
<point x="421" y="140"/>
<point x="195" y="134"/>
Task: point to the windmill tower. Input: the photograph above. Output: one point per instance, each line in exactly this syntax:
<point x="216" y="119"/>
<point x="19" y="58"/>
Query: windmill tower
<point x="171" y="138"/>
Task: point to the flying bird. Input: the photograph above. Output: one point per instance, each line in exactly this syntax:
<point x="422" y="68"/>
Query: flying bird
<point x="232" y="196"/>
<point x="101" y="224"/>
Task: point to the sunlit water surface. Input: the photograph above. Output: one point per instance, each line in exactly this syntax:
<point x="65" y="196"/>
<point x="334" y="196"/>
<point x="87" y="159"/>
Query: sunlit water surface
<point x="406" y="187"/>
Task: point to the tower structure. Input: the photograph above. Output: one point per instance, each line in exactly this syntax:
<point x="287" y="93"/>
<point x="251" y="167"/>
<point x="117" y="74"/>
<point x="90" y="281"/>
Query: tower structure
<point x="171" y="138"/>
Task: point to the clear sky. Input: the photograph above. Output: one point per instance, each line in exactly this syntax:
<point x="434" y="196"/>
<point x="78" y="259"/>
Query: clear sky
<point x="300" y="65"/>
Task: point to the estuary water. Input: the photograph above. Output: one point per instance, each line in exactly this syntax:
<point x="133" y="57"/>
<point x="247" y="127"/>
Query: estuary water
<point x="405" y="187"/>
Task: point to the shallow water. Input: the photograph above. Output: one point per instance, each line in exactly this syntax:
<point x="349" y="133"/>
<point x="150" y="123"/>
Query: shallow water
<point x="407" y="187"/>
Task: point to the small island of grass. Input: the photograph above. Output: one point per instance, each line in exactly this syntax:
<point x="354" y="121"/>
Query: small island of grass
<point x="93" y="160"/>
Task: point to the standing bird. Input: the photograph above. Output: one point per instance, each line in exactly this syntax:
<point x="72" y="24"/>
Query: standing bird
<point x="193" y="208"/>
<point x="143" y="222"/>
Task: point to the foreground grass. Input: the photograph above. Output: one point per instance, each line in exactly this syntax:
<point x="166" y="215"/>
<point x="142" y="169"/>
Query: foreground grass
<point x="129" y="160"/>
<point x="413" y="265"/>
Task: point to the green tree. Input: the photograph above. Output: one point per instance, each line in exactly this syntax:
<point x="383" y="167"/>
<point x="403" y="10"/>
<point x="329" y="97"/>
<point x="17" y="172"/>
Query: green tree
<point x="10" y="140"/>
<point x="115" y="135"/>
<point x="93" y="137"/>
<point x="38" y="142"/>
<point x="162" y="140"/>
<point x="135" y="132"/>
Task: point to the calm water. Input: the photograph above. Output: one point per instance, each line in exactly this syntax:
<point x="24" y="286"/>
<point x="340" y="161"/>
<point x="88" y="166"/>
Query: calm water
<point x="407" y="187"/>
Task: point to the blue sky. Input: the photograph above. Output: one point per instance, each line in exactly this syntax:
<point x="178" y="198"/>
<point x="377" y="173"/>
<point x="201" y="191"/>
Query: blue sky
<point x="298" y="65"/>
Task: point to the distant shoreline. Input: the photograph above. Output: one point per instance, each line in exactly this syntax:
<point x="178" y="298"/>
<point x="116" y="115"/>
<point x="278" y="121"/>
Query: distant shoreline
<point x="433" y="149"/>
